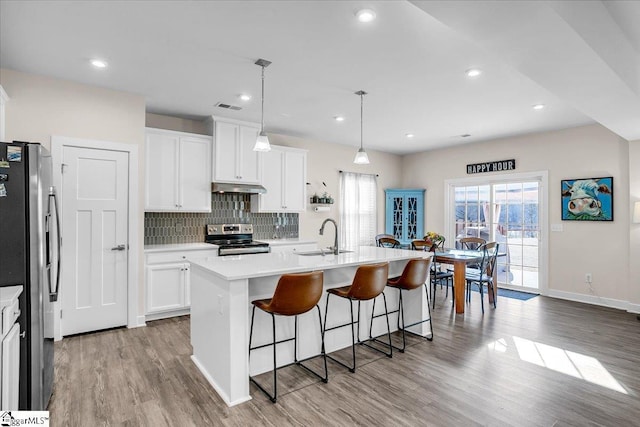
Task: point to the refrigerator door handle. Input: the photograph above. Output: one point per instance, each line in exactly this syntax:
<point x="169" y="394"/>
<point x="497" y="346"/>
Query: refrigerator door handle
<point x="53" y="291"/>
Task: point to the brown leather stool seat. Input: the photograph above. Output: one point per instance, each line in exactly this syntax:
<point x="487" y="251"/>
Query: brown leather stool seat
<point x="295" y="294"/>
<point x="369" y="282"/>
<point x="414" y="275"/>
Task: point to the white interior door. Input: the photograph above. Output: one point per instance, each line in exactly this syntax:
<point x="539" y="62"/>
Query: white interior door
<point x="95" y="241"/>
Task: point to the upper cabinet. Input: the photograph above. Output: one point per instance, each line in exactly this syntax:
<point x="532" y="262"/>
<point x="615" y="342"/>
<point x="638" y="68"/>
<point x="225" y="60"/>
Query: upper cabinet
<point x="178" y="172"/>
<point x="233" y="158"/>
<point x="284" y="175"/>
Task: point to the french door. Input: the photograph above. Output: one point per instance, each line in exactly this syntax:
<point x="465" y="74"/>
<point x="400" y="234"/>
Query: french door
<point x="510" y="210"/>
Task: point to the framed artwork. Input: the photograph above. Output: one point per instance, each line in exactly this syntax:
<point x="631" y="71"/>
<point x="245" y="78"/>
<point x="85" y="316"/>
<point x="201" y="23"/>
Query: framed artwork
<point x="587" y="199"/>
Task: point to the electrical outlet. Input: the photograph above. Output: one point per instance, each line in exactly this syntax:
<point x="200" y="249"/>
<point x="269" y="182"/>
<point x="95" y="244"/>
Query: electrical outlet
<point x="588" y="278"/>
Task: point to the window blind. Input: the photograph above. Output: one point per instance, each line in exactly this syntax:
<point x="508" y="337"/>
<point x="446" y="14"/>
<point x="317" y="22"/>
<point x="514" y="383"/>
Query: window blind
<point x="358" y="212"/>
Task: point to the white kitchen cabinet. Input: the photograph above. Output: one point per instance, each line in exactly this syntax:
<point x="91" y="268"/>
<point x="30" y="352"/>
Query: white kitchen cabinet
<point x="168" y="282"/>
<point x="10" y="347"/>
<point x="178" y="172"/>
<point x="166" y="287"/>
<point x="233" y="157"/>
<point x="284" y="175"/>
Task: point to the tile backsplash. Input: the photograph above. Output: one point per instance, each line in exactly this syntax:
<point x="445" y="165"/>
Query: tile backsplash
<point x="177" y="227"/>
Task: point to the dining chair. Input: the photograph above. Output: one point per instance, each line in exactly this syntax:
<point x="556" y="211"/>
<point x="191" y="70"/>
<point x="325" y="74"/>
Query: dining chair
<point x="484" y="274"/>
<point x="380" y="236"/>
<point x="472" y="243"/>
<point x="438" y="276"/>
<point x="388" y="242"/>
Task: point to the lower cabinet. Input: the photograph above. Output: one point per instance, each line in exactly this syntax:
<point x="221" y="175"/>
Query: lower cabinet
<point x="167" y="287"/>
<point x="168" y="282"/>
<point x="9" y="347"/>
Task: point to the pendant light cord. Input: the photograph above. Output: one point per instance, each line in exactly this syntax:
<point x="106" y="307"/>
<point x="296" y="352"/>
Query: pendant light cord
<point x="262" y="113"/>
<point x="361" y="116"/>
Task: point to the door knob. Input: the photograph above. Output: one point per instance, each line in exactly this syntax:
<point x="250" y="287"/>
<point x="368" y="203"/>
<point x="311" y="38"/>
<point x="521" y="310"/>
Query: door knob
<point x="119" y="248"/>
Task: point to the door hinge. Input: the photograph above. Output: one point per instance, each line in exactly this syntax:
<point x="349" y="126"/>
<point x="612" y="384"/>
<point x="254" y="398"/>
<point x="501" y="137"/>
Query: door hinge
<point x="61" y="314"/>
<point x="62" y="166"/>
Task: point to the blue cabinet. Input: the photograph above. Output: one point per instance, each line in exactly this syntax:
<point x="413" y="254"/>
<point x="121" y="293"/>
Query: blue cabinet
<point x="405" y="214"/>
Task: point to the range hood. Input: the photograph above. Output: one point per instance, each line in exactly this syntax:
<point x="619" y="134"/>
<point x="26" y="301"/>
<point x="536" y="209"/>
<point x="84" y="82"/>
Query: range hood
<point x="223" y="187"/>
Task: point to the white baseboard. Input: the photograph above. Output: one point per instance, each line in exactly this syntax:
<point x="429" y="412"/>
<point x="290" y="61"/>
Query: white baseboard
<point x="167" y="314"/>
<point x="215" y="386"/>
<point x="595" y="300"/>
<point x="633" y="308"/>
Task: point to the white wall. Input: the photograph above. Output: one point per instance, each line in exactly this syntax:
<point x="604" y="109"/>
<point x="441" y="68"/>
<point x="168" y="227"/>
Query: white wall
<point x="588" y="151"/>
<point x="324" y="161"/>
<point x="40" y="107"/>
<point x="160" y="121"/>
<point x="634" y="242"/>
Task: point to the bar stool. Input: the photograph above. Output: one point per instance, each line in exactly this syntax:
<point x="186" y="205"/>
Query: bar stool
<point x="369" y="282"/>
<point x="413" y="276"/>
<point x="295" y="294"/>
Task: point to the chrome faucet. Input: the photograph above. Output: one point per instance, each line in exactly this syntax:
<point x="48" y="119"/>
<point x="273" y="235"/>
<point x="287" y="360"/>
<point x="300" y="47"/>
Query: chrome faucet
<point x="335" y="243"/>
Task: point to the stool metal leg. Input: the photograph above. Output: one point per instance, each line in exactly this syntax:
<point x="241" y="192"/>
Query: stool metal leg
<point x="273" y="397"/>
<point x="352" y="368"/>
<point x="372" y="338"/>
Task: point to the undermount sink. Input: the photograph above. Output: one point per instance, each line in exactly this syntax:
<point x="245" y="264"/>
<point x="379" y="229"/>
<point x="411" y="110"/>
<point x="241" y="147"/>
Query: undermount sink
<point x="319" y="252"/>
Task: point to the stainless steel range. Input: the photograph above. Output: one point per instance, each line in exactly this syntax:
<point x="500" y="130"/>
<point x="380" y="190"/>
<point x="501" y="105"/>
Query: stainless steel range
<point x="235" y="239"/>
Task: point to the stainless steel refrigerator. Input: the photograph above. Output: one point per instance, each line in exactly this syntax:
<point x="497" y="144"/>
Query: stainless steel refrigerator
<point x="29" y="256"/>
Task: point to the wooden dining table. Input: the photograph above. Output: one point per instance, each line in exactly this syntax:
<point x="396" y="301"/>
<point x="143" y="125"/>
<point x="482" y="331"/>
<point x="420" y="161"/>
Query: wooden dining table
<point x="459" y="258"/>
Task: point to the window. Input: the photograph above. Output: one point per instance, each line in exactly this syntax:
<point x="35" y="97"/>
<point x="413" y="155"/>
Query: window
<point x="357" y="209"/>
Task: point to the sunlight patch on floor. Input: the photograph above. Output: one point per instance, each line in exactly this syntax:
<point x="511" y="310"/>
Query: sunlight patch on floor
<point x="566" y="362"/>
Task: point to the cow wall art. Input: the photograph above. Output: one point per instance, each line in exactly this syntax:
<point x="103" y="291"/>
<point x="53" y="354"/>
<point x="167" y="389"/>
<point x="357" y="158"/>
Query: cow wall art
<point x="588" y="199"/>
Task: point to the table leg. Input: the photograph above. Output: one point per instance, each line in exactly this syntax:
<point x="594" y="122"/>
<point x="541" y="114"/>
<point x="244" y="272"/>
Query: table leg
<point x="493" y="295"/>
<point x="459" y="282"/>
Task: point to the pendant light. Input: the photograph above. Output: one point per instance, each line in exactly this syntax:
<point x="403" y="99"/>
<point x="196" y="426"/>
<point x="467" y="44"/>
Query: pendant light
<point x="262" y="142"/>
<point x="361" y="156"/>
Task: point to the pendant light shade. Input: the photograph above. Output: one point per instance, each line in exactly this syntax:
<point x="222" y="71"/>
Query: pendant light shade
<point x="262" y="142"/>
<point x="361" y="156"/>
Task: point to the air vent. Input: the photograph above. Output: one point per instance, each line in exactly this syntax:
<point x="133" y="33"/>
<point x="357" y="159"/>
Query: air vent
<point x="228" y="106"/>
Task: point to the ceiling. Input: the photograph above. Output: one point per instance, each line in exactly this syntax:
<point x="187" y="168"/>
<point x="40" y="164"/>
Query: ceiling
<point x="581" y="59"/>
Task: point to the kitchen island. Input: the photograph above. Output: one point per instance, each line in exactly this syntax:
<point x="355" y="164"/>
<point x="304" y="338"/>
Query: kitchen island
<point x="222" y="289"/>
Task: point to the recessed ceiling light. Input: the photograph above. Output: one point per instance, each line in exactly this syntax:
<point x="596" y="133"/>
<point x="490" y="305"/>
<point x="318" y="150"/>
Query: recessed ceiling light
<point x="339" y="119"/>
<point x="473" y="72"/>
<point x="245" y="97"/>
<point x="409" y="135"/>
<point x="538" y="107"/>
<point x="365" y="15"/>
<point x="99" y="63"/>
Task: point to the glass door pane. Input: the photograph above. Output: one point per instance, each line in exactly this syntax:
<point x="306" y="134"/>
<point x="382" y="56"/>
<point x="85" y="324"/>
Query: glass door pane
<point x="517" y="230"/>
<point x="398" y="209"/>
<point x="507" y="213"/>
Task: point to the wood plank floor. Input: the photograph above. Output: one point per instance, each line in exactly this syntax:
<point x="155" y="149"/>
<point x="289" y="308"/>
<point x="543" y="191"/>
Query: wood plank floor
<point x="542" y="362"/>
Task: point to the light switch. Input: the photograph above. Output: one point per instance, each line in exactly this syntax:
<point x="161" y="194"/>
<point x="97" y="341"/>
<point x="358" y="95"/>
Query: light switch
<point x="556" y="227"/>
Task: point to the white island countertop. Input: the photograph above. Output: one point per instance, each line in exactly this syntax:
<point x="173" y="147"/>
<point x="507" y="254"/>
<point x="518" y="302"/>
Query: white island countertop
<point x="272" y="264"/>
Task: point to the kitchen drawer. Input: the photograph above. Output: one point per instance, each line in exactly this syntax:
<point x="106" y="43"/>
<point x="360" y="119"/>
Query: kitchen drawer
<point x="179" y="256"/>
<point x="9" y="316"/>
